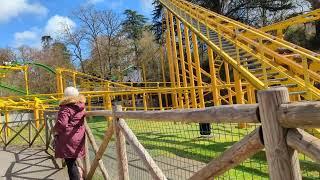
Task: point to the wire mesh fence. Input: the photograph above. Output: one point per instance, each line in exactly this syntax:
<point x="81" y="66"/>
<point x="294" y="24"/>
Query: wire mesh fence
<point x="181" y="149"/>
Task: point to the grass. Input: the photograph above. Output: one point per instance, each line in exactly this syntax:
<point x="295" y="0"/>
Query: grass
<point x="180" y="142"/>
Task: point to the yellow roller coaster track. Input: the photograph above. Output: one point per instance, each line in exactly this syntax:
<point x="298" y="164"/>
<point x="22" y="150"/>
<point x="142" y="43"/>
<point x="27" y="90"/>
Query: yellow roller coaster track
<point x="257" y="59"/>
<point x="278" y="28"/>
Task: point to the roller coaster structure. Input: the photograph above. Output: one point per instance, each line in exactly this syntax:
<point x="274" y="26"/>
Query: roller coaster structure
<point x="249" y="59"/>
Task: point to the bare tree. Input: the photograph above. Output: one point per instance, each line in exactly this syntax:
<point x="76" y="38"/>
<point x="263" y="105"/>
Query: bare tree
<point x="92" y="28"/>
<point x="111" y="31"/>
<point x="6" y="55"/>
<point x="74" y="39"/>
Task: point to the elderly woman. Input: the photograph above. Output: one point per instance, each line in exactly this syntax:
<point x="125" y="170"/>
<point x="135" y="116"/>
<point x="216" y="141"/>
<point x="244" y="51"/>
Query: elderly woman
<point x="70" y="131"/>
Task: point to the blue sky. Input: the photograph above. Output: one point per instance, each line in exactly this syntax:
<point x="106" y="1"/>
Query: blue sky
<point x="25" y="21"/>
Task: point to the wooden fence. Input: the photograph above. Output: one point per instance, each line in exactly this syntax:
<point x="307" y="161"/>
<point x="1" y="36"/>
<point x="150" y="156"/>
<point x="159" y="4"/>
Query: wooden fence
<point x="26" y="131"/>
<point x="279" y="135"/>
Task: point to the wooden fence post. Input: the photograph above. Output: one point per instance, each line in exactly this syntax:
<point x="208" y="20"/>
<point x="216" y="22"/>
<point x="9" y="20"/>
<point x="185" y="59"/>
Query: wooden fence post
<point x="120" y="147"/>
<point x="87" y="157"/>
<point x="283" y="161"/>
<point x="30" y="132"/>
<point x="46" y="132"/>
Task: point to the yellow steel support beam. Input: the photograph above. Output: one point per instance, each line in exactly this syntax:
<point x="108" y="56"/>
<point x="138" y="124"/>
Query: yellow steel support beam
<point x="7" y="120"/>
<point x="228" y="80"/>
<point x="198" y="69"/>
<point x="36" y="112"/>
<point x="175" y="58"/>
<point x="145" y="104"/>
<point x="170" y="60"/>
<point x="183" y="65"/>
<point x="215" y="91"/>
<point x="300" y="19"/>
<point x="160" y="98"/>
<point x="26" y="80"/>
<point x="190" y="68"/>
<point x="237" y="77"/>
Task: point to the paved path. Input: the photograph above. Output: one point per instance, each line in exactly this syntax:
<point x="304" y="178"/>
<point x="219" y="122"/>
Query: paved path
<point x="28" y="163"/>
<point x="32" y="163"/>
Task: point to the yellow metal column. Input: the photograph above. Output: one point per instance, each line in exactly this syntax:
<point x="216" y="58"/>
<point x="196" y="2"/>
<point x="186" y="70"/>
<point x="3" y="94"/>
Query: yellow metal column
<point x="58" y="81"/>
<point x="183" y="66"/>
<point x="171" y="66"/>
<point x="145" y="105"/>
<point x="214" y="86"/>
<point x="237" y="76"/>
<point x="190" y="67"/>
<point x="107" y="100"/>
<point x="175" y="60"/>
<point x="26" y="80"/>
<point x="306" y="77"/>
<point x="162" y="63"/>
<point x="213" y="73"/>
<point x="198" y="70"/>
<point x="7" y="120"/>
<point x="36" y="112"/>
<point x="227" y="72"/>
<point x="238" y="87"/>
<point x="249" y="94"/>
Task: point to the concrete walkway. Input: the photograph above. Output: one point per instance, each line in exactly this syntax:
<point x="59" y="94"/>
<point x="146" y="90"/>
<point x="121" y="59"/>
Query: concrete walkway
<point x="35" y="163"/>
<point x="28" y="163"/>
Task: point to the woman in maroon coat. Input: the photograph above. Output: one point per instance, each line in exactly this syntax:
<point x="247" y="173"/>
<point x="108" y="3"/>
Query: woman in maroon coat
<point x="70" y="131"/>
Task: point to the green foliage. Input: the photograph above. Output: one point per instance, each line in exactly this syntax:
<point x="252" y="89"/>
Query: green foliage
<point x="157" y="19"/>
<point x="133" y="24"/>
<point x="301" y="35"/>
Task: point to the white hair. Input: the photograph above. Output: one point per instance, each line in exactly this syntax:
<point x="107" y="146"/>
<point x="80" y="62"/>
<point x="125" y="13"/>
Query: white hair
<point x="71" y="91"/>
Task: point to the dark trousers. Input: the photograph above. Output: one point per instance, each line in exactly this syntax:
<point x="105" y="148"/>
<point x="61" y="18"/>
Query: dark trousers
<point x="205" y="128"/>
<point x="72" y="169"/>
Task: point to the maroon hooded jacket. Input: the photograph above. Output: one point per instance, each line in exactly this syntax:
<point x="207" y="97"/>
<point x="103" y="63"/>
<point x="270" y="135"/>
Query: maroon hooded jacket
<point x="70" y="129"/>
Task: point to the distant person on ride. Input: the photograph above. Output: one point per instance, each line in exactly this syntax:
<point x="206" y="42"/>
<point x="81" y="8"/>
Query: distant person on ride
<point x="70" y="131"/>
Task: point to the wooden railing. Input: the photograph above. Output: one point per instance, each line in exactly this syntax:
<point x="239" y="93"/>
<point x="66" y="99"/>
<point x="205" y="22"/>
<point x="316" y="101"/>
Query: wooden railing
<point x="279" y="135"/>
<point x="25" y="132"/>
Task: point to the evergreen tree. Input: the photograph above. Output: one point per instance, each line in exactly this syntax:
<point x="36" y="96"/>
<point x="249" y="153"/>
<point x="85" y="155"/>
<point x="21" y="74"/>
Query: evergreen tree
<point x="157" y="19"/>
<point x="133" y="26"/>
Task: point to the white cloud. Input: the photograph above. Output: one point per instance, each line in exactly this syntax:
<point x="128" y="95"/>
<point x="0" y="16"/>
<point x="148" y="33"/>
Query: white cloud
<point x="10" y="9"/>
<point x="146" y="5"/>
<point x="94" y="1"/>
<point x="30" y="37"/>
<point x="54" y="27"/>
<point x="57" y="25"/>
